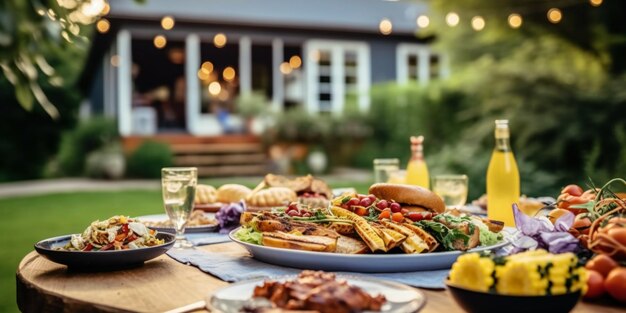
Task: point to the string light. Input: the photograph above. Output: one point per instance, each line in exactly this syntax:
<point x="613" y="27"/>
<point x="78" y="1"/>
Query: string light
<point x="423" y="21"/>
<point x="103" y="26"/>
<point x="215" y="88"/>
<point x="478" y="23"/>
<point x="385" y="26"/>
<point x="219" y="40"/>
<point x="106" y="9"/>
<point x="295" y="62"/>
<point x="452" y="19"/>
<point x="515" y="20"/>
<point x="167" y="22"/>
<point x="228" y="73"/>
<point x="285" y="68"/>
<point x="203" y="75"/>
<point x="160" y="41"/>
<point x="595" y="3"/>
<point x="554" y="15"/>
<point x="207" y="67"/>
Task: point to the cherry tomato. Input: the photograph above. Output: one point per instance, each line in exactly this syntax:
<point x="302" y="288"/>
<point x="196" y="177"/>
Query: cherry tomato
<point x="602" y="264"/>
<point x="361" y="211"/>
<point x="382" y="204"/>
<point x="397" y="217"/>
<point x="615" y="284"/>
<point x="427" y="215"/>
<point x="353" y="201"/>
<point x="372" y="198"/>
<point x="384" y="214"/>
<point x="395" y="207"/>
<point x="415" y="216"/>
<point x="365" y="202"/>
<point x="404" y="211"/>
<point x="573" y="190"/>
<point x="595" y="285"/>
<point x="293" y="213"/>
<point x="568" y="201"/>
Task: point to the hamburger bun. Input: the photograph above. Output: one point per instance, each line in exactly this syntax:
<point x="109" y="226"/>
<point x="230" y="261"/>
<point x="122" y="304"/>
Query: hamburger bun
<point x="413" y="198"/>
<point x="232" y="193"/>
<point x="271" y="197"/>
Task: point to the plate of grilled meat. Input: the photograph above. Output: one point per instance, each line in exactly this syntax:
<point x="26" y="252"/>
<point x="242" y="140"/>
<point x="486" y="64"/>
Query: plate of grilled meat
<point x="395" y="228"/>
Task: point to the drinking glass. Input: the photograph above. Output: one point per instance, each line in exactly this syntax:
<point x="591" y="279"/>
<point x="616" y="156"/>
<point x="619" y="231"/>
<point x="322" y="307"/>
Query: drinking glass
<point x="179" y="190"/>
<point x="382" y="168"/>
<point x="452" y="189"/>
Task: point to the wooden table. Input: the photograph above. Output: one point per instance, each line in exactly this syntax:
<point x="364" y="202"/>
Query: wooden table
<point x="160" y="285"/>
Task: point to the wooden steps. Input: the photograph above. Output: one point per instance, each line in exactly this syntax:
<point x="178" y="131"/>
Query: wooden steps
<point x="237" y="155"/>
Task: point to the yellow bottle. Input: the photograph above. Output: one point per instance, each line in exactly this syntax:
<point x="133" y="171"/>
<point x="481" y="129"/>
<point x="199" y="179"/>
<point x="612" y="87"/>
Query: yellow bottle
<point x="503" y="182"/>
<point x="417" y="170"/>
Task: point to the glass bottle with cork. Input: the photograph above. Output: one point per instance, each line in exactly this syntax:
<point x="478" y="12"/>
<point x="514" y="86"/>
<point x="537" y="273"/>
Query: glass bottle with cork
<point x="503" y="182"/>
<point x="417" y="170"/>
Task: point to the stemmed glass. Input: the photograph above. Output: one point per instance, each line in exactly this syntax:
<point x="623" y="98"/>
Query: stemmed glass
<point x="179" y="190"/>
<point x="452" y="189"/>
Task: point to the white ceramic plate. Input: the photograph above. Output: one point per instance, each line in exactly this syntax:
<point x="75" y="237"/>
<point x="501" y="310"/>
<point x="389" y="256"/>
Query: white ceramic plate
<point x="400" y="298"/>
<point x="365" y="263"/>
<point x="188" y="230"/>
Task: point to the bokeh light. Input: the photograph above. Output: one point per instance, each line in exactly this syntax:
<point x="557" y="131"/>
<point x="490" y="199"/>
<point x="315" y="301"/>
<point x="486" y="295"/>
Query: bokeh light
<point x="554" y="15"/>
<point x="452" y="19"/>
<point x="103" y="26"/>
<point x="423" y="21"/>
<point x="215" y="88"/>
<point x="515" y="20"/>
<point x="285" y="68"/>
<point x="295" y="62"/>
<point x="478" y="23"/>
<point x="385" y="26"/>
<point x="219" y="40"/>
<point x="228" y="73"/>
<point x="160" y="41"/>
<point x="167" y="22"/>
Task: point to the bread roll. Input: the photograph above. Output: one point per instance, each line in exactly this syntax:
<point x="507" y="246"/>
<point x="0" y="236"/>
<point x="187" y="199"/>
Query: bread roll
<point x="409" y="195"/>
<point x="274" y="196"/>
<point x="232" y="193"/>
<point x="205" y="194"/>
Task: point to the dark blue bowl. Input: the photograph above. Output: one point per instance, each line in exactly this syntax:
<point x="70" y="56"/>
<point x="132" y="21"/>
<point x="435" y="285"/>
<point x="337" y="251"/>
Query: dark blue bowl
<point x="476" y="301"/>
<point x="101" y="260"/>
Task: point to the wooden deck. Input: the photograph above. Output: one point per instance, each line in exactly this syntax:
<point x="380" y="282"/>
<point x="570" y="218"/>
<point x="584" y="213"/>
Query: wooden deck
<point x="228" y="155"/>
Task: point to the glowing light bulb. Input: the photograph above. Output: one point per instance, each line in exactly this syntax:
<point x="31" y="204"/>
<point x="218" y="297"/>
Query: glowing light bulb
<point x="219" y="40"/>
<point x="285" y="68"/>
<point x="160" y="41"/>
<point x="452" y="19"/>
<point x="478" y="23"/>
<point x="555" y="15"/>
<point x="215" y="88"/>
<point x="295" y="62"/>
<point x="228" y="73"/>
<point x="385" y="26"/>
<point x="167" y="22"/>
<point x="103" y="26"/>
<point x="423" y="21"/>
<point x="515" y="20"/>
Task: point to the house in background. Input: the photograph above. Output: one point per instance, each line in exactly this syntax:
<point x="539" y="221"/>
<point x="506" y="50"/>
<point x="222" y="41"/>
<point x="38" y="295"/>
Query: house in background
<point x="173" y="70"/>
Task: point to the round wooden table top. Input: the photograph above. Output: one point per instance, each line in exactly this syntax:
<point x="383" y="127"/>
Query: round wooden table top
<point x="159" y="285"/>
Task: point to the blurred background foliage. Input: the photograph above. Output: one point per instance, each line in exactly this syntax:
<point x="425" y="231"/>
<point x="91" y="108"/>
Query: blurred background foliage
<point x="561" y="86"/>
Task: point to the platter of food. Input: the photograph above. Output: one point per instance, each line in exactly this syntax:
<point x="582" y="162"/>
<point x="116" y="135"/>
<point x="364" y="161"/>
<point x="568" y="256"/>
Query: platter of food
<point x="199" y="222"/>
<point x="396" y="228"/>
<point x="317" y="292"/>
<point x="119" y="241"/>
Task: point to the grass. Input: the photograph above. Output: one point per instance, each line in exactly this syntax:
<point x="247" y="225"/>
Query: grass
<point x="26" y="220"/>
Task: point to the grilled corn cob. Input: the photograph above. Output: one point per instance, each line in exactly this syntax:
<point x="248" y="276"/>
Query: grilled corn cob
<point x="363" y="228"/>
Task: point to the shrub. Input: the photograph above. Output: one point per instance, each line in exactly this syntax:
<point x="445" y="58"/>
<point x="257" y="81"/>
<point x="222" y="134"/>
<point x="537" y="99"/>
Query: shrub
<point x="148" y="159"/>
<point x="88" y="136"/>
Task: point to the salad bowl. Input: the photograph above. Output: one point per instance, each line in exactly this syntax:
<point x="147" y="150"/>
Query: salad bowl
<point x="101" y="260"/>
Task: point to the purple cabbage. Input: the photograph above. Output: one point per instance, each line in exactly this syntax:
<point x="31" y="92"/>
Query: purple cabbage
<point x="228" y="216"/>
<point x="540" y="233"/>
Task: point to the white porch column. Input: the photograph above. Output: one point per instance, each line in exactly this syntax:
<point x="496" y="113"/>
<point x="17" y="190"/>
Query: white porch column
<point x="423" y="65"/>
<point x="192" y="65"/>
<point x="124" y="83"/>
<point x="245" y="65"/>
<point x="338" y="85"/>
<point x="364" y="78"/>
<point x="277" y="77"/>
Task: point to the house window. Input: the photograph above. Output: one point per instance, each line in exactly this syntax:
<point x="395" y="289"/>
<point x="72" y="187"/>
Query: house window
<point x="416" y="62"/>
<point x="219" y="77"/>
<point x="338" y="76"/>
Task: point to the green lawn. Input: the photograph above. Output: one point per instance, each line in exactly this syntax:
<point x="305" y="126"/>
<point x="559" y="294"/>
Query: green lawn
<point x="26" y="220"/>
